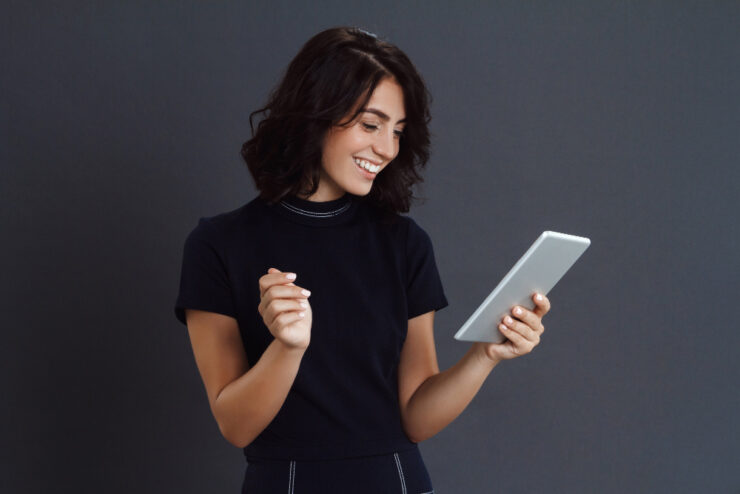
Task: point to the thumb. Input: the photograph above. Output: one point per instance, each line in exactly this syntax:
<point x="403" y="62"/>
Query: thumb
<point x="274" y="271"/>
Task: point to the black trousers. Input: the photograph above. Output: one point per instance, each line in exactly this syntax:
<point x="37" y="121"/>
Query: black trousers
<point x="401" y="472"/>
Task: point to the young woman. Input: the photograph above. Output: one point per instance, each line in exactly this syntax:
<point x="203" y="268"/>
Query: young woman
<point x="331" y="390"/>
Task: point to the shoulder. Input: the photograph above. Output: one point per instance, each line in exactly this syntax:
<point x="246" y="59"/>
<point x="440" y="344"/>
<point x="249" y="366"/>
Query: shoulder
<point x="405" y="229"/>
<point x="223" y="226"/>
<point x="413" y="226"/>
<point x="415" y="233"/>
<point x="391" y="219"/>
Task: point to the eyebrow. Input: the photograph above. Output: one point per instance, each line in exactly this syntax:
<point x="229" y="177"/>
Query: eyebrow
<point x="381" y="114"/>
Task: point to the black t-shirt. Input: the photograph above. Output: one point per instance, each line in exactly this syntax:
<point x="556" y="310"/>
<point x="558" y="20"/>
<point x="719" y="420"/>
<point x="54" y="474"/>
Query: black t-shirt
<point x="368" y="275"/>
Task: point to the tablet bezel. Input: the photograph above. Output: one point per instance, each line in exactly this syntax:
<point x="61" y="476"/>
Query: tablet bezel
<point x="538" y="270"/>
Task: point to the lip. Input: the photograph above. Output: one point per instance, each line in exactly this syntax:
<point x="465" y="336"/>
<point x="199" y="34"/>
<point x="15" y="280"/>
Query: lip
<point x="365" y="174"/>
<point x="376" y="163"/>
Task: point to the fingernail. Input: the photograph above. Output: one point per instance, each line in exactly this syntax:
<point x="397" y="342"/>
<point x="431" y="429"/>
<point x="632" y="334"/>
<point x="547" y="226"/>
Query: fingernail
<point x="306" y="292"/>
<point x="538" y="297"/>
<point x="508" y="320"/>
<point x="304" y="304"/>
<point x="290" y="276"/>
<point x="517" y="311"/>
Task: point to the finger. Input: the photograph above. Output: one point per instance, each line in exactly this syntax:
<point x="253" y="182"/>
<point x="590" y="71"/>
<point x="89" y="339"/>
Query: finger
<point x="528" y="317"/>
<point x="277" y="271"/>
<point x="521" y="328"/>
<point x="520" y="344"/>
<point x="287" y="291"/>
<point x="274" y="277"/>
<point x="283" y="306"/>
<point x="542" y="304"/>
<point x="285" y="319"/>
<point x="282" y="292"/>
<point x="274" y="270"/>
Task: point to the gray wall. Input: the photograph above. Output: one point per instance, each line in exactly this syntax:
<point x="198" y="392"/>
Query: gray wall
<point x="122" y="124"/>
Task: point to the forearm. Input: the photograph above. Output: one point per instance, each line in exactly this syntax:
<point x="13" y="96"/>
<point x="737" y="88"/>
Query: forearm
<point x="246" y="406"/>
<point x="442" y="397"/>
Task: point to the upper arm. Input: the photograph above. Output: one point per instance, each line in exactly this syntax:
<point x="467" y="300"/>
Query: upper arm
<point x="418" y="357"/>
<point x="218" y="349"/>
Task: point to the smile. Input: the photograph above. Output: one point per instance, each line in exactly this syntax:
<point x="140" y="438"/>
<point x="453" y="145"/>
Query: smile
<point x="367" y="165"/>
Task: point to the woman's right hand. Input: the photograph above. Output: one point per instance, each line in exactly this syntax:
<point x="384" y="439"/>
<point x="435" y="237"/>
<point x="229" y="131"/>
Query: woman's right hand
<point x="281" y="307"/>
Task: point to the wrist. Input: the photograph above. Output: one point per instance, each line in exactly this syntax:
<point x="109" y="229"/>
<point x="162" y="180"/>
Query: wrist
<point x="481" y="351"/>
<point x="288" y="350"/>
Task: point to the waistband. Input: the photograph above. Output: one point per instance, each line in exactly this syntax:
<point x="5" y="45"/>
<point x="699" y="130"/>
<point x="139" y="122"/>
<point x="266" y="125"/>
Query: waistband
<point x="335" y="458"/>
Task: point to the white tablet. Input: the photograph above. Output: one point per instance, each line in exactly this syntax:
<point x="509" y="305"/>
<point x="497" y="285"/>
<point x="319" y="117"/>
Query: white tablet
<point x="546" y="261"/>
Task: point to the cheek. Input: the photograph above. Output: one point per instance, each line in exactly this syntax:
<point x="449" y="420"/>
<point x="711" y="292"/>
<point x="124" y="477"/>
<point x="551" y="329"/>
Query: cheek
<point x="332" y="152"/>
<point x="344" y="143"/>
<point x="337" y="161"/>
<point x="358" y="140"/>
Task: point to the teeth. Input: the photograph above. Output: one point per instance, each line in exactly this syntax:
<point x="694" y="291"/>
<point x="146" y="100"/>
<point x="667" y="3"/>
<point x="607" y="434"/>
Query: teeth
<point x="367" y="166"/>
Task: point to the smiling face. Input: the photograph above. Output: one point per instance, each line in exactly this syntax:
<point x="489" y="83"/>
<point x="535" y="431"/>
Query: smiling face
<point x="372" y="140"/>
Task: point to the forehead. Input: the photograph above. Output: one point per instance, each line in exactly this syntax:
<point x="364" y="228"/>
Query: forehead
<point x="388" y="98"/>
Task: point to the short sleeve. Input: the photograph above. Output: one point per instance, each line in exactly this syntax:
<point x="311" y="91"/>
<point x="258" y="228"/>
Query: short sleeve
<point x="204" y="282"/>
<point x="424" y="290"/>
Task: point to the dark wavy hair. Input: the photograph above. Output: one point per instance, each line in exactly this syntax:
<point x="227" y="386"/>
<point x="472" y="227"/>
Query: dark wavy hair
<point x="333" y="76"/>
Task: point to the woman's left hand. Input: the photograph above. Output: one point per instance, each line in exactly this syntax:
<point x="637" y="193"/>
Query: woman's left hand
<point x="522" y="328"/>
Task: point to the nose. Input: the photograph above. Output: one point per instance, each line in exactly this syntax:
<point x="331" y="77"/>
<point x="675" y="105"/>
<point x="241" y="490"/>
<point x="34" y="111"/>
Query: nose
<point x="385" y="145"/>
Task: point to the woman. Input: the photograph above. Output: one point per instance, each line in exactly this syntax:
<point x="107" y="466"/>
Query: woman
<point x="331" y="391"/>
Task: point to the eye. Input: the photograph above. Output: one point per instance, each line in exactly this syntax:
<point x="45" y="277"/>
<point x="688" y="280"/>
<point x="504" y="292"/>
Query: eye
<point x="398" y="133"/>
<point x="369" y="126"/>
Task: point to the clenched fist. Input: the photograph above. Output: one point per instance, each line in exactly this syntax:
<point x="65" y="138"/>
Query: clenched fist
<point x="285" y="309"/>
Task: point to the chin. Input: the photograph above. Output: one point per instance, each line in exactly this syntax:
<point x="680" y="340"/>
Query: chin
<point x="359" y="190"/>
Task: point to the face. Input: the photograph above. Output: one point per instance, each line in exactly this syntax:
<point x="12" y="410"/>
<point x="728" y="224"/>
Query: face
<point x="372" y="140"/>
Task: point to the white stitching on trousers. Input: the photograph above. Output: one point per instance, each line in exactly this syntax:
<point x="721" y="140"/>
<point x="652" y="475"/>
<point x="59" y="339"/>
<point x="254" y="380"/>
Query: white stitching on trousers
<point x="291" y="477"/>
<point x="400" y="472"/>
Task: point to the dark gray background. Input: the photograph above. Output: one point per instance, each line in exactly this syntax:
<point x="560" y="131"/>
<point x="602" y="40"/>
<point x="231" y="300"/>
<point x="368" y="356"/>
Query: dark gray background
<point x="122" y="124"/>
